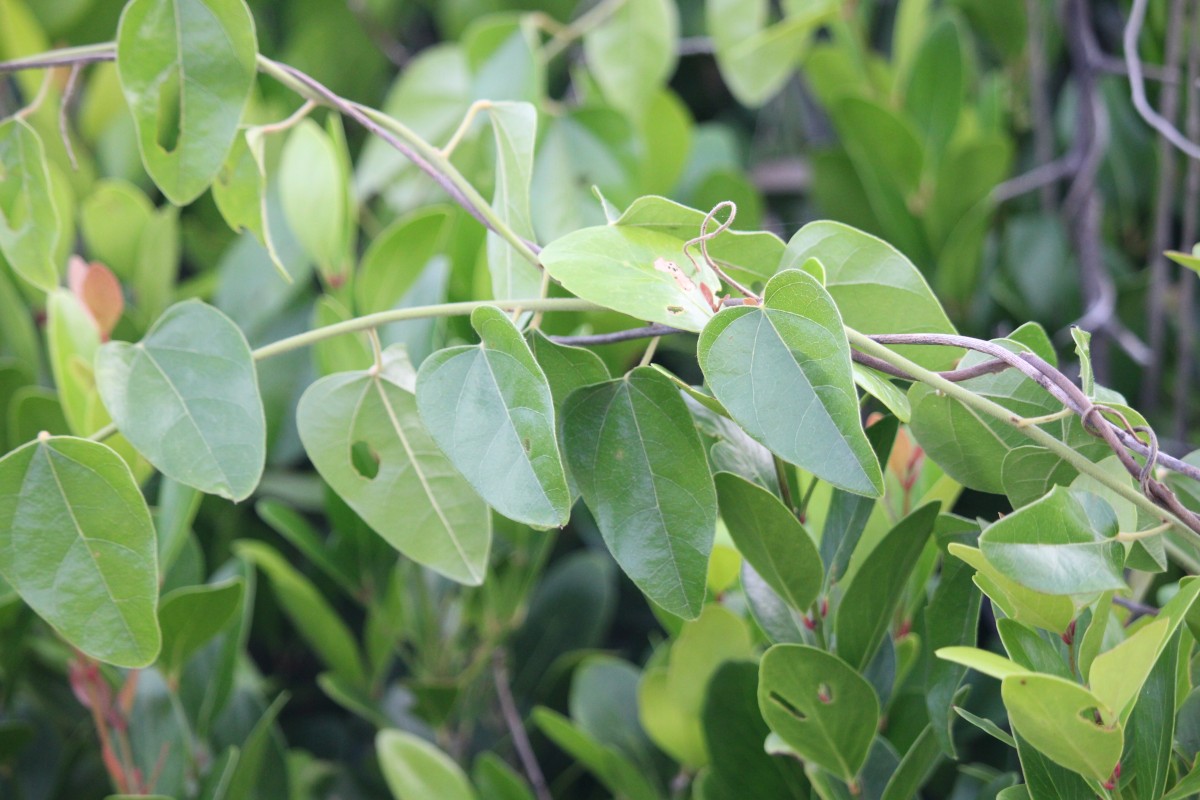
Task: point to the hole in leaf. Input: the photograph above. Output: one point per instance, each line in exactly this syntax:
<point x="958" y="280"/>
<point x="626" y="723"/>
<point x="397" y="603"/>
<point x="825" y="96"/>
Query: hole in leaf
<point x="825" y="693"/>
<point x="364" y="459"/>
<point x="1091" y="715"/>
<point x="787" y="706"/>
<point x="170" y="113"/>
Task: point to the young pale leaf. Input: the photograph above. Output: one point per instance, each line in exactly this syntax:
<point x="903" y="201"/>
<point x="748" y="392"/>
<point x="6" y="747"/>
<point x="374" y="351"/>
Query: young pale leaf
<point x="633" y="52"/>
<point x="1058" y="545"/>
<point x="313" y="189"/>
<point x="751" y="257"/>
<point x="416" y="769"/>
<point x="870" y="600"/>
<point x="640" y="272"/>
<point x="1116" y="676"/>
<point x="515" y="129"/>
<point x="29" y="221"/>
<point x="865" y="275"/>
<point x="819" y="705"/>
<point x="186" y="68"/>
<point x="191" y="616"/>
<point x="445" y="525"/>
<point x="187" y="398"/>
<point x="782" y="370"/>
<point x="1052" y="612"/>
<point x="641" y="469"/>
<point x="771" y="539"/>
<point x="491" y="412"/>
<point x="985" y="661"/>
<point x="77" y="543"/>
<point x="1057" y="717"/>
<point x="240" y="192"/>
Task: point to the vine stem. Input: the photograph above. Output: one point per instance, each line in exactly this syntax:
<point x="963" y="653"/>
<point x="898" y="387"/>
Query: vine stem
<point x="371" y="321"/>
<point x="999" y="412"/>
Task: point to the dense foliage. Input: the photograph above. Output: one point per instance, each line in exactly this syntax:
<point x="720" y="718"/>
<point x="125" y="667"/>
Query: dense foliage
<point x="639" y="399"/>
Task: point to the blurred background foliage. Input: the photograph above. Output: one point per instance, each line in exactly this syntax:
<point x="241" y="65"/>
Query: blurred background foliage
<point x="994" y="142"/>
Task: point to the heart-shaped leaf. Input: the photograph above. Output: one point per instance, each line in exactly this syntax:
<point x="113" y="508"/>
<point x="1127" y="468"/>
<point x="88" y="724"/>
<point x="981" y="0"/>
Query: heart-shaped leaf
<point x="187" y="398"/>
<point x="77" y="543"/>
<point x="819" y="705"/>
<point x="364" y="436"/>
<point x="186" y="68"/>
<point x="635" y="454"/>
<point x="782" y="370"/>
<point x="491" y="412"/>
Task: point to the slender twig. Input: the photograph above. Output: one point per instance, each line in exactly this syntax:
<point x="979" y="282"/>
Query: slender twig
<point x="586" y="340"/>
<point x="1138" y="609"/>
<point x="1164" y="215"/>
<point x="516" y="727"/>
<point x="1137" y="84"/>
<point x="65" y="57"/>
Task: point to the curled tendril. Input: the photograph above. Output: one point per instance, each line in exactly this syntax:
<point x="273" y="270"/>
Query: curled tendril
<point x="705" y="236"/>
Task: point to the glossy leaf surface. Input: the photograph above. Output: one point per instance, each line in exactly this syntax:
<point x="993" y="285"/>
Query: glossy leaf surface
<point x="782" y="371"/>
<point x="658" y="511"/>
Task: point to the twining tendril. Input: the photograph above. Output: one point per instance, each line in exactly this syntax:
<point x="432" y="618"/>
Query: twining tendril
<point x="705" y="236"/>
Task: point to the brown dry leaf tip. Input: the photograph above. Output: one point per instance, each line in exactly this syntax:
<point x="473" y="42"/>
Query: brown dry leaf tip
<point x="98" y="291"/>
<point x="671" y="268"/>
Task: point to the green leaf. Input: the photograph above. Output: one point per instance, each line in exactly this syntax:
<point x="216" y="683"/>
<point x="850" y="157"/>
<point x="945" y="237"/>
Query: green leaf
<point x="633" y="52"/>
<point x="865" y="276"/>
<point x="77" y="543"/>
<point x="566" y="368"/>
<point x="987" y="662"/>
<point x="1116" y="676"/>
<point x="934" y="94"/>
<point x="292" y="525"/>
<point x="1057" y="717"/>
<point x="750" y="257"/>
<point x="1150" y="729"/>
<point x="915" y="767"/>
<point x="417" y="770"/>
<point x="490" y="410"/>
<point x="819" y="705"/>
<point x="186" y="68"/>
<point x="312" y="185"/>
<point x="445" y="525"/>
<point x="637" y="458"/>
<point x="782" y="370"/>
<point x="734" y="732"/>
<point x="315" y="620"/>
<point x="770" y="537"/>
<point x="191" y="616"/>
<point x="111" y="220"/>
<point x="240" y="192"/>
<point x="497" y="780"/>
<point x="671" y="698"/>
<point x="1055" y="546"/>
<point x="254" y="751"/>
<point x="987" y="726"/>
<point x="618" y="774"/>
<point x="398" y="256"/>
<point x="1052" y="612"/>
<point x="756" y="61"/>
<point x="187" y="398"/>
<point x="869" y="602"/>
<point x="639" y="272"/>
<point x="29" y="220"/>
<point x="515" y="128"/>
<point x="882" y="389"/>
